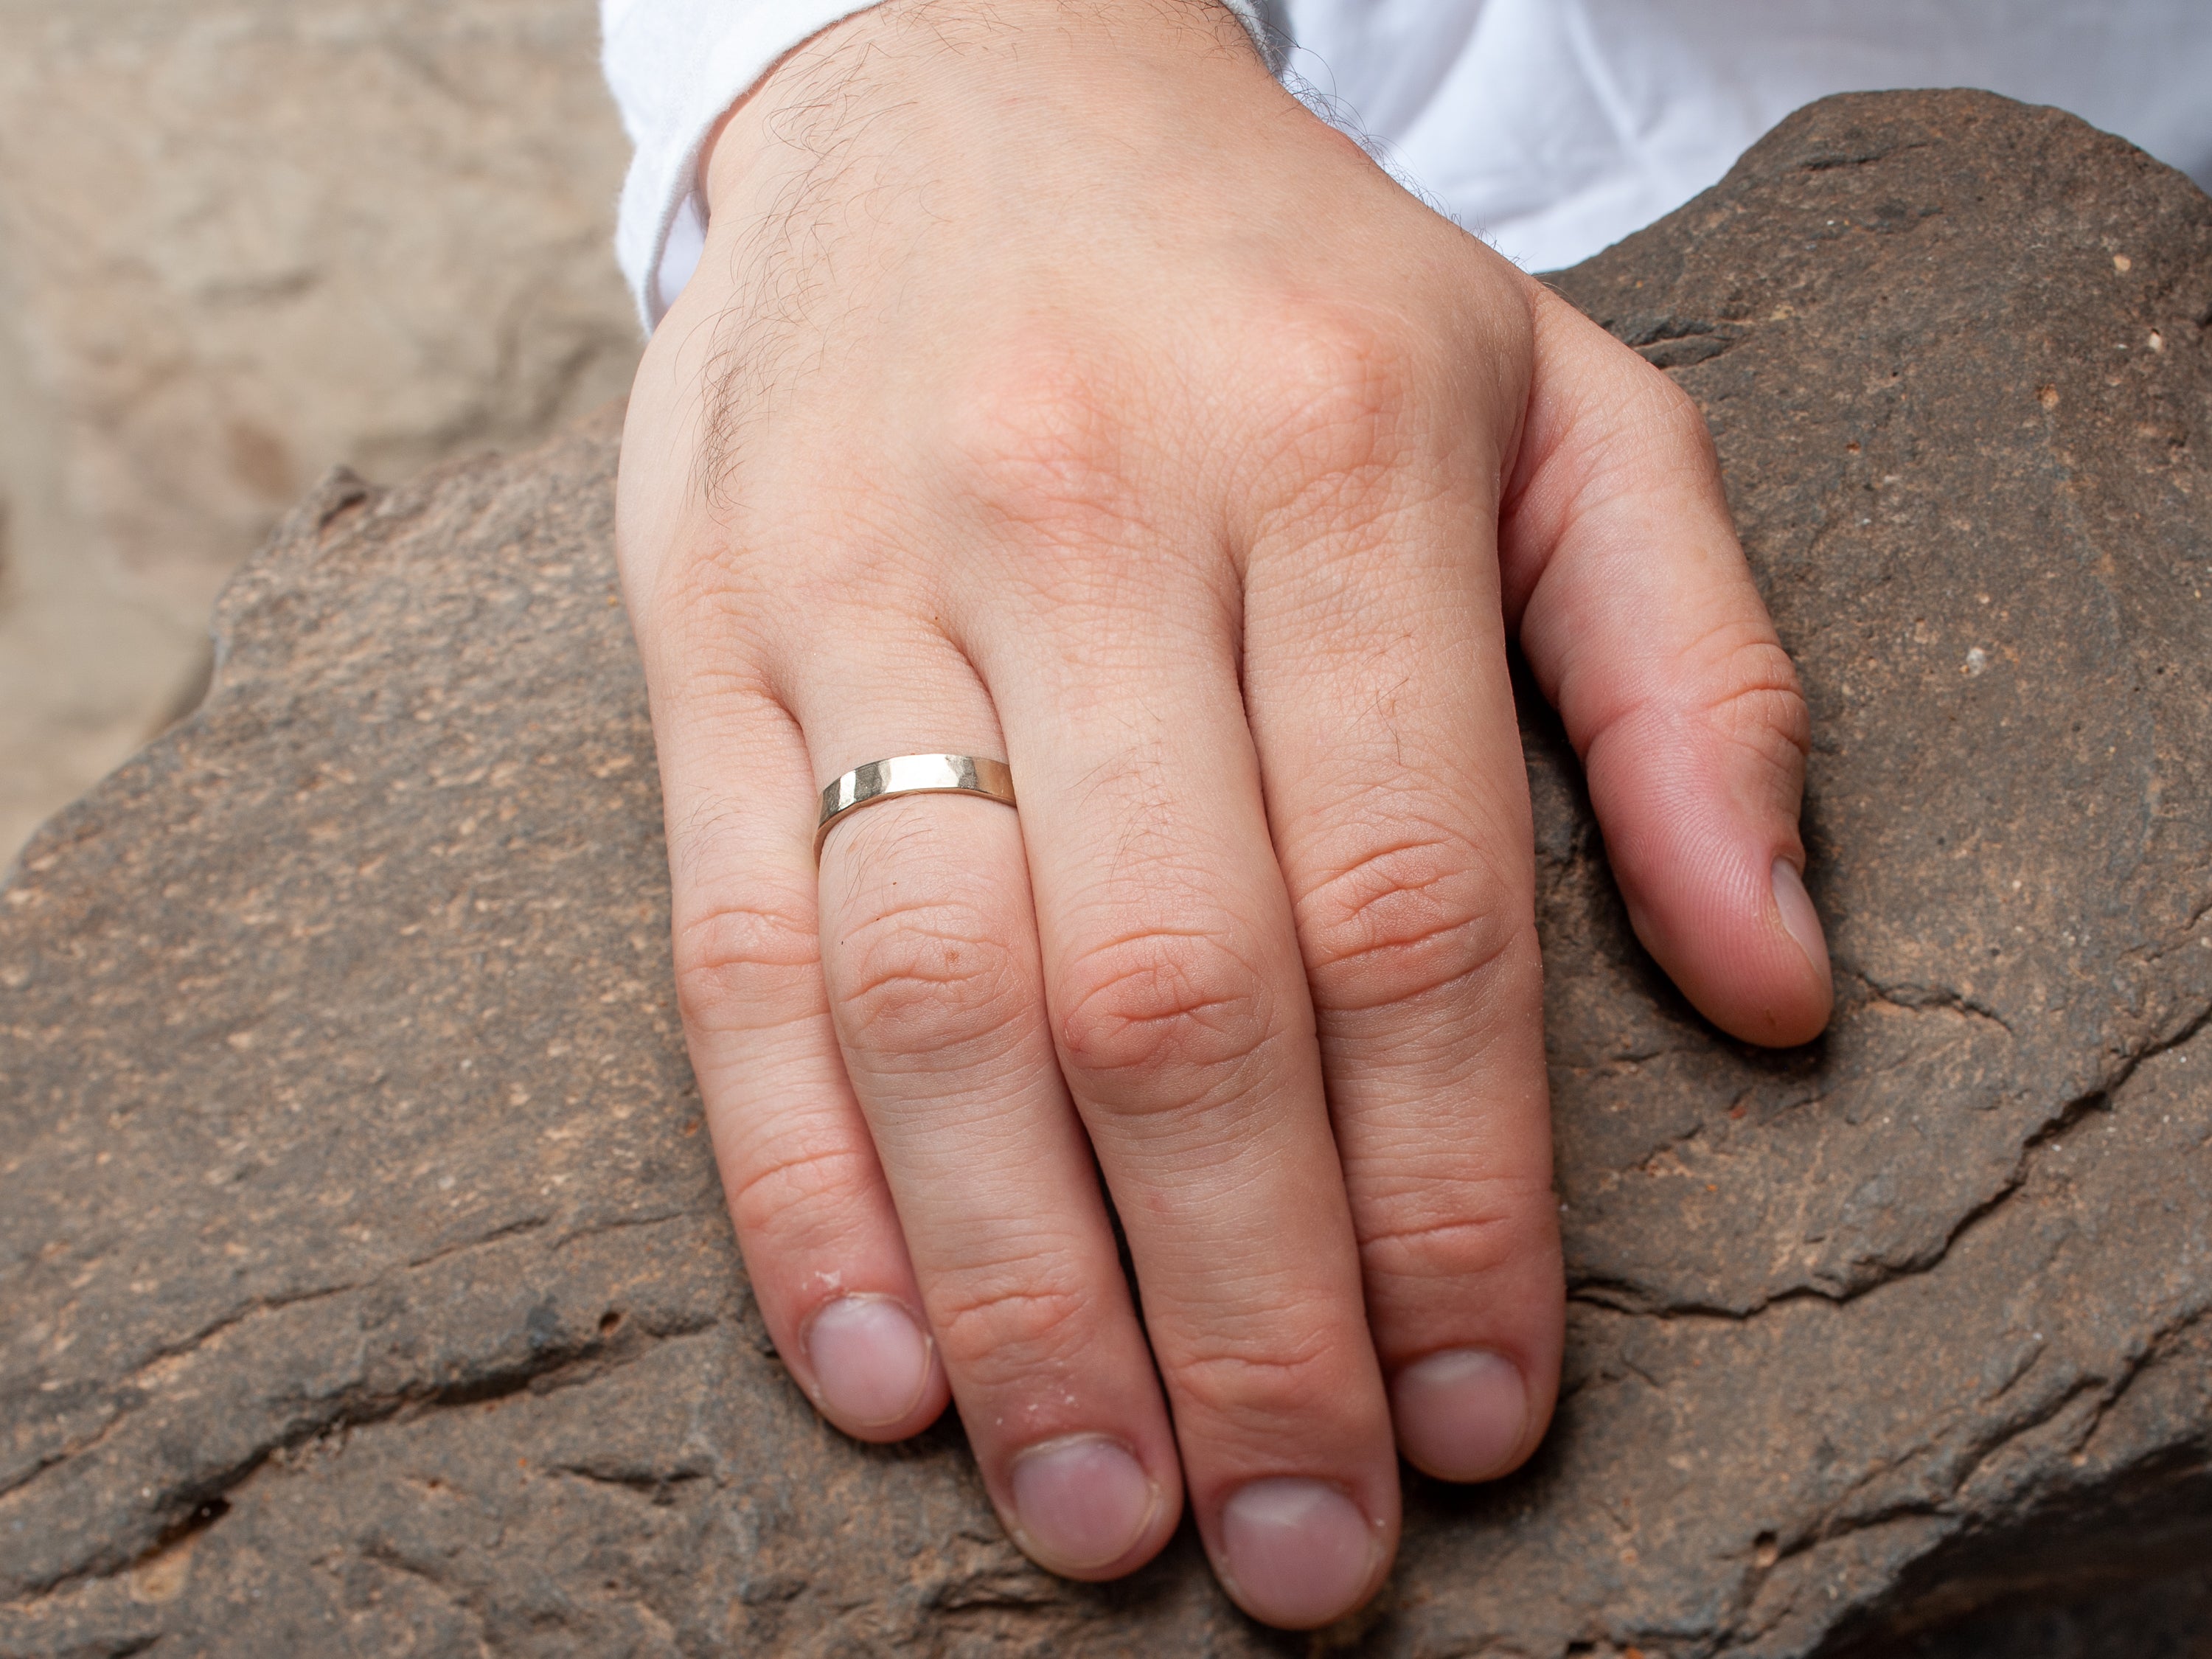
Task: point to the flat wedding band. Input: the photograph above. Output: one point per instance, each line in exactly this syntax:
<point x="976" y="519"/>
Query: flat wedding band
<point x="911" y="775"/>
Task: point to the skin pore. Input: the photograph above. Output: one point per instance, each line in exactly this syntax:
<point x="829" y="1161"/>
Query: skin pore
<point x="1054" y="386"/>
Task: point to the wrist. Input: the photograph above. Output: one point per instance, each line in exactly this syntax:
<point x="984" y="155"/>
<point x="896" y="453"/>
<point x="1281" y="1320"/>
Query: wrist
<point x="963" y="62"/>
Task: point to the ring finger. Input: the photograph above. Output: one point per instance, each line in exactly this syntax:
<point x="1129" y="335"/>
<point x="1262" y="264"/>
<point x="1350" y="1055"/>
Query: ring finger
<point x="930" y="959"/>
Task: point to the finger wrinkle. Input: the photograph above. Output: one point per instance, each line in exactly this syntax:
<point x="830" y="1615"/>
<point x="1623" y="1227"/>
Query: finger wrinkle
<point x="1700" y="677"/>
<point x="1448" y="1250"/>
<point x="1295" y="1388"/>
<point x="932" y="993"/>
<point x="1155" y="1002"/>
<point x="1407" y="922"/>
<point x="814" y="1183"/>
<point x="737" y="950"/>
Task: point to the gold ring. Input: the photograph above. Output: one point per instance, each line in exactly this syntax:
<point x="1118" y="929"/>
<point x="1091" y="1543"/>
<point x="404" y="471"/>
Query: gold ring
<point x="911" y="775"/>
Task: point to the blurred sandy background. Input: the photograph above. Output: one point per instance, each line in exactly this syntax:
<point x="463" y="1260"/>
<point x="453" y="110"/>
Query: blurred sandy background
<point x="240" y="241"/>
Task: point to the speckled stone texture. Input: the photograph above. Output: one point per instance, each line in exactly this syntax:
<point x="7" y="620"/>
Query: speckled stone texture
<point x="365" y="1288"/>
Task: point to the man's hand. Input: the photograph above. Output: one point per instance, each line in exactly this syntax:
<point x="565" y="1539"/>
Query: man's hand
<point x="1053" y="386"/>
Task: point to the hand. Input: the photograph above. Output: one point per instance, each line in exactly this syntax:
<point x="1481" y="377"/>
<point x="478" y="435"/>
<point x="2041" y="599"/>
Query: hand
<point x="1055" y="387"/>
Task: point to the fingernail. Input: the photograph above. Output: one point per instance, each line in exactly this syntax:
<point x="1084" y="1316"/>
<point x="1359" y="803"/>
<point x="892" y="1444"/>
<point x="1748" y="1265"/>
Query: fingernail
<point x="1082" y="1502"/>
<point x="1300" y="1553"/>
<point x="1462" y="1415"/>
<point x="1799" y="916"/>
<point x="871" y="1360"/>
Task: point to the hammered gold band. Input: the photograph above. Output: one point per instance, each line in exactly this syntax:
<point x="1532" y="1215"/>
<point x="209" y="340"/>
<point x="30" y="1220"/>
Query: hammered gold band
<point x="911" y="775"/>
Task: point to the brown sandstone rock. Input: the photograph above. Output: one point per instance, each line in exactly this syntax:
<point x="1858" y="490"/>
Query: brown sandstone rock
<point x="364" y="1286"/>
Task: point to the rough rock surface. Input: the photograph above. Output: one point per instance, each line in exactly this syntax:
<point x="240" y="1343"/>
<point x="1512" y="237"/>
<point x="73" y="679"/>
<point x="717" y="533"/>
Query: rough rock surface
<point x="364" y="1286"/>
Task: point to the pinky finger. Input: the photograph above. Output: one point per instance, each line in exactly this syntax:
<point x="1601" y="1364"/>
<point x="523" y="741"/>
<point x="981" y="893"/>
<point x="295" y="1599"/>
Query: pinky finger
<point x="814" y="1218"/>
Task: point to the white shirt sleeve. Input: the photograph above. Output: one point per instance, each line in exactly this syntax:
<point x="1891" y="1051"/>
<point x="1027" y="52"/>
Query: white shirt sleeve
<point x="674" y="66"/>
<point x="1554" y="127"/>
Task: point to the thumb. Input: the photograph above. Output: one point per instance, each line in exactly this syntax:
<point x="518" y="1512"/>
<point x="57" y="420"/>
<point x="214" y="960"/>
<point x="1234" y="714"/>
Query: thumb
<point x="1639" y="619"/>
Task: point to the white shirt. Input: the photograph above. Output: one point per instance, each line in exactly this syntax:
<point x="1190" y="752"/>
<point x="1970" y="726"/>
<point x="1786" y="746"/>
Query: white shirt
<point x="1551" y="127"/>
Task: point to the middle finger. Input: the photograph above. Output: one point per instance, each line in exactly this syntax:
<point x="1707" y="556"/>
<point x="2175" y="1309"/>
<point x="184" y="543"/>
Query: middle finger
<point x="1180" y="1010"/>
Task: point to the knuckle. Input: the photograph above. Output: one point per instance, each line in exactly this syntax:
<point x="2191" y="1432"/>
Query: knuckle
<point x="1752" y="698"/>
<point x="1738" y="684"/>
<point x="1651" y="400"/>
<point x="1343" y="386"/>
<point x="1652" y="430"/>
<point x="1035" y="438"/>
<point x="804" y="1194"/>
<point x="1286" y="1382"/>
<point x="932" y="975"/>
<point x="1321" y="344"/>
<point x="737" y="960"/>
<point x="1407" y="919"/>
<point x="1000" y="1329"/>
<point x="1160" y="1004"/>
<point x="1735" y="685"/>
<point x="1678" y="416"/>
<point x="1676" y="439"/>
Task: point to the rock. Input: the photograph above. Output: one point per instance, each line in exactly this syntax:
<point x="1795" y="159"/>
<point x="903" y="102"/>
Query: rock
<point x="371" y="231"/>
<point x="366" y="1283"/>
<point x="2171" y="1618"/>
